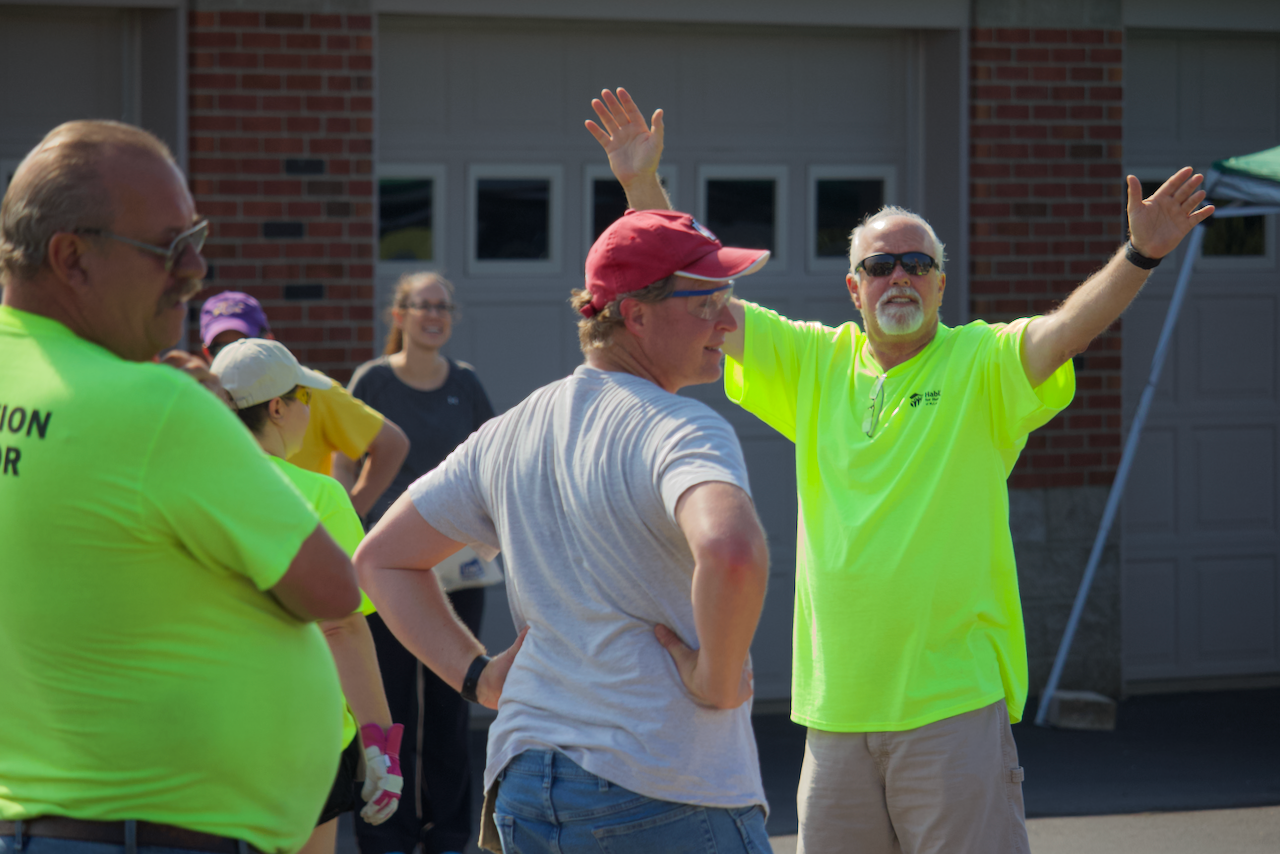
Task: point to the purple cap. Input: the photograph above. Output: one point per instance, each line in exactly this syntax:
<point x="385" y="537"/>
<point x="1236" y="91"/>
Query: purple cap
<point x="232" y="310"/>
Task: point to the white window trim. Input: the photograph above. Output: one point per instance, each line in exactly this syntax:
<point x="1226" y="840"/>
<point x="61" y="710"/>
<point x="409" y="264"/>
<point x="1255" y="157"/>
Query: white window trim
<point x="436" y="173"/>
<point x="1215" y="263"/>
<point x="554" y="173"/>
<point x="778" y="261"/>
<point x="887" y="174"/>
<point x="594" y="172"/>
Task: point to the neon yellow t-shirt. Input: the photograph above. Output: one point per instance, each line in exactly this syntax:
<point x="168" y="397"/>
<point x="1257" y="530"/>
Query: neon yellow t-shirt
<point x="907" y="606"/>
<point x="145" y="671"/>
<point x="338" y="422"/>
<point x="327" y="497"/>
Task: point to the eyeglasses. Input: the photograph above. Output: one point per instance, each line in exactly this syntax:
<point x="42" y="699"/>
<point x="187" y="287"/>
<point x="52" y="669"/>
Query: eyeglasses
<point x="193" y="237"/>
<point x="300" y="393"/>
<point x="872" y="419"/>
<point x="914" y="263"/>
<point x="709" y="308"/>
<point x="433" y="307"/>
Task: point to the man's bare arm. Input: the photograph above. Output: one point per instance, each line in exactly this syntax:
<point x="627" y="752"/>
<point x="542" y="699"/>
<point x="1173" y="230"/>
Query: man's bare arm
<point x="394" y="563"/>
<point x="386" y="454"/>
<point x="320" y="583"/>
<point x="633" y="148"/>
<point x="731" y="571"/>
<point x="1156" y="226"/>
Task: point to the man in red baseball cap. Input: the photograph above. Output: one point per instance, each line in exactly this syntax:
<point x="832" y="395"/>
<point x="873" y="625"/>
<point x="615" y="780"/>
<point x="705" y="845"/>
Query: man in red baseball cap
<point x="636" y="565"/>
<point x="656" y="296"/>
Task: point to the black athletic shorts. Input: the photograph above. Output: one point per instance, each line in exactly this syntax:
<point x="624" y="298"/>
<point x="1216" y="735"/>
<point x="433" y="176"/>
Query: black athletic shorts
<point x="342" y="797"/>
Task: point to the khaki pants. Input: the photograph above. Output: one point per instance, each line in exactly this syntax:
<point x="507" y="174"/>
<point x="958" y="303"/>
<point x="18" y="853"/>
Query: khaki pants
<point x="951" y="786"/>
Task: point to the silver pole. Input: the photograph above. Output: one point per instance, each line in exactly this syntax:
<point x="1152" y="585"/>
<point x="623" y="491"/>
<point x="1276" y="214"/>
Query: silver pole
<point x="1122" y="473"/>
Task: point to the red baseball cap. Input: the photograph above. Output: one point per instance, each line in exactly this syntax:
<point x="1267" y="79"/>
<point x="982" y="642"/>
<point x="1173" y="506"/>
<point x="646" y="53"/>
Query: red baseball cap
<point x="643" y="247"/>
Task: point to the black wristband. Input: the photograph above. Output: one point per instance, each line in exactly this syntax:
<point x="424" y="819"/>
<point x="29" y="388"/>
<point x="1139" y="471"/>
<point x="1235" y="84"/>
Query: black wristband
<point x="472" y="679"/>
<point x="1137" y="259"/>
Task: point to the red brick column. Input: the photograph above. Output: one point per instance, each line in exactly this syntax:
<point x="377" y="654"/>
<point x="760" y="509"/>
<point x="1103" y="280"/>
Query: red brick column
<point x="281" y="162"/>
<point x="1047" y="209"/>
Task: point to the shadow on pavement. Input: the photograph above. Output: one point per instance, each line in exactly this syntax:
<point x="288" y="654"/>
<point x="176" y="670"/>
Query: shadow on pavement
<point x="1168" y="752"/>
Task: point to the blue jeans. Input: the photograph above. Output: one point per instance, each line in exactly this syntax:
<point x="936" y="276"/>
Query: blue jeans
<point x="48" y="845"/>
<point x="548" y="804"/>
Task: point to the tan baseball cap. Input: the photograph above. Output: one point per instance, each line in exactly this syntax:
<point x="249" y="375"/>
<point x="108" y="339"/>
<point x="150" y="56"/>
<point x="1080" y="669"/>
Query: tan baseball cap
<point x="254" y="370"/>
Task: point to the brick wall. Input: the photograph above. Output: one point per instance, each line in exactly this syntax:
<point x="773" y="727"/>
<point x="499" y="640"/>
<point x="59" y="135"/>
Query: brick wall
<point x="1047" y="209"/>
<point x="281" y="162"/>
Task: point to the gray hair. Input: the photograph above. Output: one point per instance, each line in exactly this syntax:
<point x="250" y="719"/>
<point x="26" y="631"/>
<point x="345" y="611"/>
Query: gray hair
<point x="888" y="212"/>
<point x="596" y="332"/>
<point x="59" y="187"/>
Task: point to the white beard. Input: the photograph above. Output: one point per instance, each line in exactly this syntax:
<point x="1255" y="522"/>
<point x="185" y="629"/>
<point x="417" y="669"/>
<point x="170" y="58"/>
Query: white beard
<point x="899" y="318"/>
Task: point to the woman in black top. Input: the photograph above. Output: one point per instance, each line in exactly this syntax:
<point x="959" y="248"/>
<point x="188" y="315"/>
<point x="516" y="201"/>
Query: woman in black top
<point x="438" y="402"/>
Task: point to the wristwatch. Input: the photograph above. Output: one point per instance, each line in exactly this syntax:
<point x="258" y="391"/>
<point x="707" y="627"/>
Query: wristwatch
<point x="1137" y="259"/>
<point x="472" y="679"/>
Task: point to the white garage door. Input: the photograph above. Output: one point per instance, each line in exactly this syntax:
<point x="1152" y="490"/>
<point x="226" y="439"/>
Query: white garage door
<point x="1200" y="581"/>
<point x="775" y="138"/>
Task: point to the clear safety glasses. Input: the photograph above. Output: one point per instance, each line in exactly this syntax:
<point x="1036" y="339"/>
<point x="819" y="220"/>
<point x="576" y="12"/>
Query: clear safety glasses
<point x="193" y="238"/>
<point x="708" y="303"/>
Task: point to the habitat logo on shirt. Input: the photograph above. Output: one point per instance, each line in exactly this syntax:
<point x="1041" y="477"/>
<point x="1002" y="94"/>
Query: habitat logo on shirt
<point x="929" y="398"/>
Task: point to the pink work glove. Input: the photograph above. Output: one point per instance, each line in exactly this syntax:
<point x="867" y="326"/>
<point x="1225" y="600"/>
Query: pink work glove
<point x="382" y="781"/>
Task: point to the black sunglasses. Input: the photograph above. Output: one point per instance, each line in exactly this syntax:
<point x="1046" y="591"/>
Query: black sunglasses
<point x="914" y="263"/>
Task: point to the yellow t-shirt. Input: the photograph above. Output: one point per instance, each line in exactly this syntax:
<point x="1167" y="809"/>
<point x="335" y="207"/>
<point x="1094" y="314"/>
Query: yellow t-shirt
<point x="907" y="606"/>
<point x="327" y="497"/>
<point x="338" y="422"/>
<point x="145" y="671"/>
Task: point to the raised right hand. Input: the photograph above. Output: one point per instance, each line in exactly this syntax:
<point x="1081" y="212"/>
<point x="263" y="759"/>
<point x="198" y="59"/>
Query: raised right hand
<point x="634" y="148"/>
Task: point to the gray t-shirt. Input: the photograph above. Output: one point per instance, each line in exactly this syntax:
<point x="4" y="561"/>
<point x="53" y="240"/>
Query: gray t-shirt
<point x="578" y="486"/>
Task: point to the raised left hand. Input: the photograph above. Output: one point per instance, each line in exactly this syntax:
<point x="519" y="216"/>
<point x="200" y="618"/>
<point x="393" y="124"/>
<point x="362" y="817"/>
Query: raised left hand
<point x="1158" y="224"/>
<point x="634" y="148"/>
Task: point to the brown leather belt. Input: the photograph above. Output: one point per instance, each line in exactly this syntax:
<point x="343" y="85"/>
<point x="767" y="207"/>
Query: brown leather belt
<point x="113" y="832"/>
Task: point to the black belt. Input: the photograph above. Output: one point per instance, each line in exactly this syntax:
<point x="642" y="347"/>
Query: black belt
<point x="144" y="833"/>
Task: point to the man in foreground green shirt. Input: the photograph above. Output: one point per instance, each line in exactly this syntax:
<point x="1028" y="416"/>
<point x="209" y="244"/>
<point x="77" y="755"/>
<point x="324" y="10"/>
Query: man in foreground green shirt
<point x="164" y="684"/>
<point x="909" y="650"/>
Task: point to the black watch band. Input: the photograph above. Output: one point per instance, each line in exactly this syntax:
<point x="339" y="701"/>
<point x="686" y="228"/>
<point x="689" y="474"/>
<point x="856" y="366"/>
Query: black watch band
<point x="472" y="679"/>
<point x="1137" y="259"/>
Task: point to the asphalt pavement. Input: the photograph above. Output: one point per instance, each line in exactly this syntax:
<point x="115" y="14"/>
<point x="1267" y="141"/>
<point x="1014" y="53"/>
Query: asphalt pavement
<point x="1179" y="773"/>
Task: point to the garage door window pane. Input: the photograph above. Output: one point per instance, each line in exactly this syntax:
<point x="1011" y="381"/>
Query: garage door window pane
<point x="1227" y="237"/>
<point x="608" y="203"/>
<point x="513" y="219"/>
<point x="743" y="211"/>
<point x="1235" y="237"/>
<point x="406" y="207"/>
<point x="841" y="205"/>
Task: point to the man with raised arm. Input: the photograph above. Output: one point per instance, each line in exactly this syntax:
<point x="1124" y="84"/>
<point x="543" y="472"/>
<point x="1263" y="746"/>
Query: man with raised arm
<point x="163" y="684"/>
<point x="624" y="514"/>
<point x="909" y="650"/>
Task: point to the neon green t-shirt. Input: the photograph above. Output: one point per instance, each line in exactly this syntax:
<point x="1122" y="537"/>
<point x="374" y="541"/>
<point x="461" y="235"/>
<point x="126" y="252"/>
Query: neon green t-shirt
<point x="907" y="606"/>
<point x="145" y="671"/>
<point x="327" y="497"/>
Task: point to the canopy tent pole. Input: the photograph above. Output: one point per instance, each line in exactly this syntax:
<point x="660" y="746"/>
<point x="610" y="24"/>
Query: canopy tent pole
<point x="1131" y="447"/>
<point x="1122" y="473"/>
